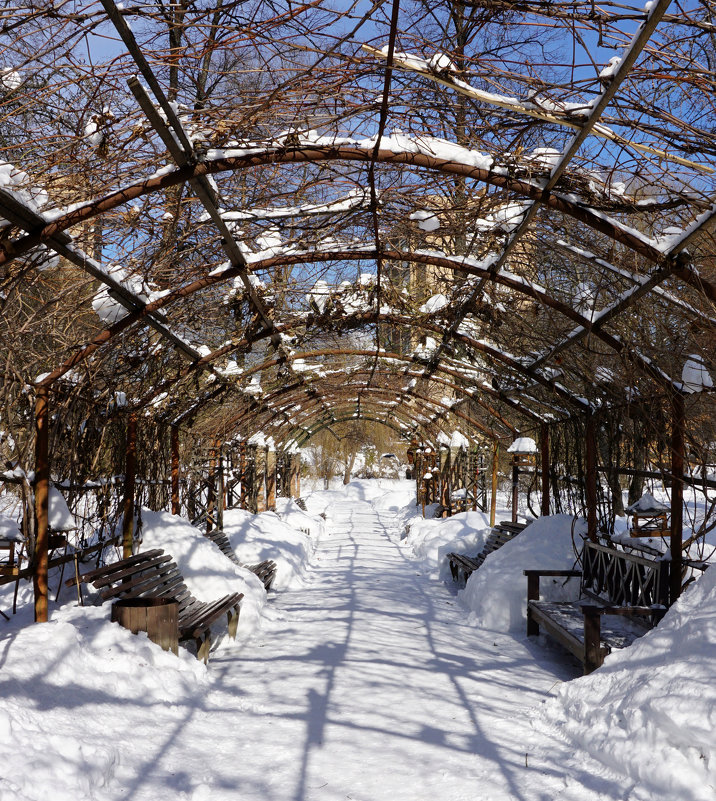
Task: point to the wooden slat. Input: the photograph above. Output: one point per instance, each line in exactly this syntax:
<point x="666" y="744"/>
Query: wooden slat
<point x="133" y="570"/>
<point x="153" y="574"/>
<point x="120" y="565"/>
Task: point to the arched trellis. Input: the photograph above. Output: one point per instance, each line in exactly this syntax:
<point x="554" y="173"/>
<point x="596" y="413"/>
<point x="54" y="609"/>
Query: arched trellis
<point x="468" y="266"/>
<point x="261" y="155"/>
<point x="321" y="425"/>
<point x="254" y="417"/>
<point x="372" y="153"/>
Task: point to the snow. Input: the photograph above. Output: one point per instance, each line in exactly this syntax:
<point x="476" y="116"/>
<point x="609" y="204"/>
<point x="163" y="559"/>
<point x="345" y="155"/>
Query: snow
<point x="431" y="540"/>
<point x="254" y="387"/>
<point x="497" y="596"/>
<point x="92" y="133"/>
<point x="459" y="440"/>
<point x="10" y="529"/>
<point x="365" y="677"/>
<point x="256" y="538"/>
<point x="545" y="156"/>
<point x="356" y="198"/>
<point x="206" y="572"/>
<point x="523" y="445"/>
<point x="434" y="304"/>
<point x="59" y="516"/>
<point x="425" y="350"/>
<point x="648" y="503"/>
<point x="10" y="78"/>
<point x="694" y="376"/>
<point x="650" y="712"/>
<point x="262" y="441"/>
<point x="426" y="220"/>
<point x="504" y="218"/>
<point x="610" y="70"/>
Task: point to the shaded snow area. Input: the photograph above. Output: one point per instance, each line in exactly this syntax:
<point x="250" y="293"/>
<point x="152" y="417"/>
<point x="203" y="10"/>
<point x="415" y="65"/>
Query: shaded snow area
<point x="365" y="676"/>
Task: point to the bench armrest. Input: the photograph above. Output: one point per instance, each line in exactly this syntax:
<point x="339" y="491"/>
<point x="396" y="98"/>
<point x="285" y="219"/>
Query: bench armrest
<point x="533" y="577"/>
<point x="568" y="573"/>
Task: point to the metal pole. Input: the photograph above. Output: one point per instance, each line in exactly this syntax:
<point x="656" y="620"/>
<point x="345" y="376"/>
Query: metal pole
<point x="515" y="486"/>
<point x="130" y="476"/>
<point x="42" y="489"/>
<point x="211" y="492"/>
<point x="221" y="497"/>
<point x="591" y="477"/>
<point x="243" y="497"/>
<point x="493" y="496"/>
<point x="544" y="458"/>
<point x="175" y="469"/>
<point x="678" y="425"/>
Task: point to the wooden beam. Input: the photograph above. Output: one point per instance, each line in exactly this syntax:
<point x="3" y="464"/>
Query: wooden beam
<point x="211" y="493"/>
<point x="221" y="495"/>
<point x="42" y="489"/>
<point x="270" y="480"/>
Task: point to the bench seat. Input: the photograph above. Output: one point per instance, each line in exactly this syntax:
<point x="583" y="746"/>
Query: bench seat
<point x="464" y="565"/>
<point x="565" y="623"/>
<point x="623" y="596"/>
<point x="153" y="574"/>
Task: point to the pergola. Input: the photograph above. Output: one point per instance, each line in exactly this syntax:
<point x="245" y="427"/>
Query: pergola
<point x="277" y="217"/>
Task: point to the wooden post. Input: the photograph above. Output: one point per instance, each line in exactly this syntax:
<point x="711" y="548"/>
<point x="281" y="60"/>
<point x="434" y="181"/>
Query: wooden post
<point x="515" y="486"/>
<point x="270" y="480"/>
<point x="678" y="425"/>
<point x="591" y="476"/>
<point x="175" y="469"/>
<point x="544" y="458"/>
<point x="130" y="478"/>
<point x="42" y="504"/>
<point x="493" y="496"/>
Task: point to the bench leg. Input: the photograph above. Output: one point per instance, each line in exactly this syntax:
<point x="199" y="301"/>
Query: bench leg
<point x="593" y="652"/>
<point x="203" y="646"/>
<point x="233" y="619"/>
<point x="532" y="625"/>
<point x="454" y="571"/>
<point x="532" y="595"/>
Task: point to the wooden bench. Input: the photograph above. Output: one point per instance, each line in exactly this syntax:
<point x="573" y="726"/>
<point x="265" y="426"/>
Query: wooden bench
<point x="266" y="570"/>
<point x="628" y="590"/>
<point x="461" y="564"/>
<point x="153" y="574"/>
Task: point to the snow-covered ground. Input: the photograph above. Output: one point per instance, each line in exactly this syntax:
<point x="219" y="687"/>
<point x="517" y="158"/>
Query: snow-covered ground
<point x="365" y="677"/>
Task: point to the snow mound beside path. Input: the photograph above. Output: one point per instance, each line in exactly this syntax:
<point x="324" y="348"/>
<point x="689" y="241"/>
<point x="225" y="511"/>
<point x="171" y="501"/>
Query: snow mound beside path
<point x="256" y="538"/>
<point x="77" y="693"/>
<point x="496" y="594"/>
<point x="650" y="711"/>
<point x="208" y="574"/>
<point x="432" y="539"/>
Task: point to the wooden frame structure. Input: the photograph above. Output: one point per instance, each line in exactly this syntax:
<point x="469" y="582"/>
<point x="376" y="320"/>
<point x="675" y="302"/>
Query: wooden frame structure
<point x="516" y="346"/>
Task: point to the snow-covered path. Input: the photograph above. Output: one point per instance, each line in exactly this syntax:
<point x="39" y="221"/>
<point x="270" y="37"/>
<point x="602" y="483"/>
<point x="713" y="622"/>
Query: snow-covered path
<point x="365" y="681"/>
<point x="366" y="685"/>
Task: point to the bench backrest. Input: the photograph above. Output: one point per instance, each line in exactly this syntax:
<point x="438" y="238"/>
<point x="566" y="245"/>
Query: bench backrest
<point x="623" y="579"/>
